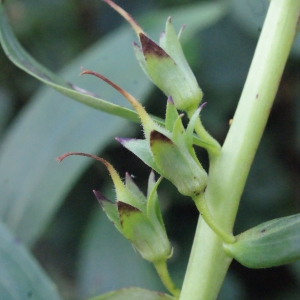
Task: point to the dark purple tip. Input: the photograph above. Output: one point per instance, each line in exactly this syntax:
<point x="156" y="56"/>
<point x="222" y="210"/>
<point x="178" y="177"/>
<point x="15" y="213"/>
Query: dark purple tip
<point x="100" y="197"/>
<point x="202" y="105"/>
<point x="163" y="33"/>
<point x="157" y="136"/>
<point x="135" y="45"/>
<point x="124" y="208"/>
<point x="170" y="100"/>
<point x="123" y="140"/>
<point x="151" y="48"/>
<point x="128" y="177"/>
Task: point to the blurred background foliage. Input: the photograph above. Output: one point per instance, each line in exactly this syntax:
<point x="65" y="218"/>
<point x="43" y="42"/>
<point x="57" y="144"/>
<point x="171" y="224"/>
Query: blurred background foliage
<point x="80" y="250"/>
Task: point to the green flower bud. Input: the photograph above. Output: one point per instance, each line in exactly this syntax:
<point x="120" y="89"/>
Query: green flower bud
<point x="138" y="218"/>
<point x="166" y="65"/>
<point x="269" y="244"/>
<point x="149" y="239"/>
<point x="178" y="166"/>
<point x="171" y="154"/>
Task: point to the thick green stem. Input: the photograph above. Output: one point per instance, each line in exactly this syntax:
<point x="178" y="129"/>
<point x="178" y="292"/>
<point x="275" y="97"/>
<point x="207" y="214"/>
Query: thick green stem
<point x="228" y="172"/>
<point x="162" y="270"/>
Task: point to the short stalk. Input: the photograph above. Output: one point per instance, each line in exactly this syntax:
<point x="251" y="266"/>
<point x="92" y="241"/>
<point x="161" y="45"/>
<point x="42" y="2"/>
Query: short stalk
<point x="162" y="270"/>
<point x="213" y="147"/>
<point x="209" y="219"/>
<point x="228" y="172"/>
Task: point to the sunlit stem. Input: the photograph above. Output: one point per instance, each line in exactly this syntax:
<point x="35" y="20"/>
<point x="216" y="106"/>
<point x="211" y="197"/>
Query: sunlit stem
<point x="162" y="270"/>
<point x="210" y="221"/>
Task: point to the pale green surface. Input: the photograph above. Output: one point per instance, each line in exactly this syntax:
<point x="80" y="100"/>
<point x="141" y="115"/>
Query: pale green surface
<point x="21" y="277"/>
<point x="133" y="294"/>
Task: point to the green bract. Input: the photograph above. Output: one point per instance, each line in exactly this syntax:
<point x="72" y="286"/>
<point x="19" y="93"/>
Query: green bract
<point x="269" y="244"/>
<point x="166" y="65"/>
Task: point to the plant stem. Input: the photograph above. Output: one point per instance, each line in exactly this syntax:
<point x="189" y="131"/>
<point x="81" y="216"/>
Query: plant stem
<point x="228" y="172"/>
<point x="162" y="270"/>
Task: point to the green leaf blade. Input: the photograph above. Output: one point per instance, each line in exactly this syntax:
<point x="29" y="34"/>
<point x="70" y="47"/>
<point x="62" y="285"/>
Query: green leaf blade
<point x="27" y="63"/>
<point x="20" y="275"/>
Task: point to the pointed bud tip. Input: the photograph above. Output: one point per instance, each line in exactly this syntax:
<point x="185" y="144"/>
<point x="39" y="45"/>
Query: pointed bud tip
<point x="128" y="177"/>
<point x="125" y="208"/>
<point x="157" y="136"/>
<point x="202" y="105"/>
<point x="136" y="45"/>
<point x="170" y="100"/>
<point x="151" y="48"/>
<point x="123" y="141"/>
<point x="100" y="197"/>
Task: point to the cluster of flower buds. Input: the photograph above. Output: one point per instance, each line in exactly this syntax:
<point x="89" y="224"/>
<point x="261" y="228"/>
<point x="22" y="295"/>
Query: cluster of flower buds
<point x="169" y="151"/>
<point x="137" y="217"/>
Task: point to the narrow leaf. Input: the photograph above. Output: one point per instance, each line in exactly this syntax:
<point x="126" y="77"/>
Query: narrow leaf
<point x="133" y="294"/>
<point x="24" y="61"/>
<point x="20" y="275"/>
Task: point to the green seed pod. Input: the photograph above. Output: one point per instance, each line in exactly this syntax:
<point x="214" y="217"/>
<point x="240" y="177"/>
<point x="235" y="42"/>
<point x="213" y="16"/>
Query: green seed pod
<point x="136" y="217"/>
<point x="167" y="75"/>
<point x="144" y="229"/>
<point x="269" y="244"/>
<point x="165" y="64"/>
